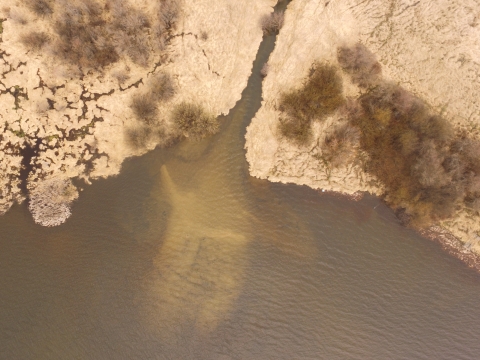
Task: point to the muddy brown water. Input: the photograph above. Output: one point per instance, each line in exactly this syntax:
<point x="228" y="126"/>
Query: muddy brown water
<point x="184" y="256"/>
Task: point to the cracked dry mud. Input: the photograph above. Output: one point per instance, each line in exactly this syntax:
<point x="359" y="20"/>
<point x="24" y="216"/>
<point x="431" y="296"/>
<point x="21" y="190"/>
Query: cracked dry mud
<point x="430" y="48"/>
<point x="58" y="123"/>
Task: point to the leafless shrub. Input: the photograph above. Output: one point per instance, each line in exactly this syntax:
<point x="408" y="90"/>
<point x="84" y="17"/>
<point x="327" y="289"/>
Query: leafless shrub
<point x="34" y="40"/>
<point x="351" y="109"/>
<point x="121" y="76"/>
<point x="473" y="204"/>
<point x="340" y="145"/>
<point x="144" y="107"/>
<point x="40" y="7"/>
<point x="192" y="120"/>
<point x="428" y="168"/>
<point x="50" y="200"/>
<point x="272" y="23"/>
<point x="297" y="130"/>
<point x="91" y="36"/>
<point x="169" y="13"/>
<point x="319" y="97"/>
<point x="137" y="137"/>
<point x="264" y="71"/>
<point x="203" y="35"/>
<point x="360" y="64"/>
<point x="161" y="87"/>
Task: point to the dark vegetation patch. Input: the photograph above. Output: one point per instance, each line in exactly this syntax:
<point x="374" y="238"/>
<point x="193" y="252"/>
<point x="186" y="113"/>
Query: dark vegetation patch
<point x="140" y="135"/>
<point x="92" y="35"/>
<point x="320" y="95"/>
<point x="360" y="64"/>
<point x="340" y="145"/>
<point x="272" y="23"/>
<point x="40" y="7"/>
<point x="428" y="169"/>
<point x="145" y="105"/>
<point x="193" y="121"/>
<point x="34" y="40"/>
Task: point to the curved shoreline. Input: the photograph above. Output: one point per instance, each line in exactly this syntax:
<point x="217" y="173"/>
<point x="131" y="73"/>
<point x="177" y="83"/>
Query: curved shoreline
<point x="310" y="34"/>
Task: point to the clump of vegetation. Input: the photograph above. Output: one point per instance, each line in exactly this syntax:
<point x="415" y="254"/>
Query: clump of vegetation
<point x="41" y="7"/>
<point x="340" y="145"/>
<point x="272" y="23"/>
<point x="428" y="173"/>
<point x="320" y="95"/>
<point x="203" y="35"/>
<point x="140" y="135"/>
<point x="34" y="40"/>
<point x="92" y="36"/>
<point x="122" y="76"/>
<point x="145" y="105"/>
<point x="193" y="121"/>
<point x="264" y="70"/>
<point x="161" y="87"/>
<point x="360" y="64"/>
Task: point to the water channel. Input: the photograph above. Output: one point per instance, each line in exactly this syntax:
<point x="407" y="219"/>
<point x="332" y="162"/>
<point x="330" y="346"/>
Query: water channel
<point x="184" y="256"/>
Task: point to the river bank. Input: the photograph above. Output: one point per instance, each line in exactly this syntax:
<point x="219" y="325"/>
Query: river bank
<point x="437" y="62"/>
<point x="73" y="117"/>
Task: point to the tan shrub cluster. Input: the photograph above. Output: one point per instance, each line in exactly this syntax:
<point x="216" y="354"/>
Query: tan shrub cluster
<point x="340" y="145"/>
<point x="429" y="171"/>
<point x="144" y="105"/>
<point x="360" y="64"/>
<point x="272" y="23"/>
<point x="193" y="121"/>
<point x="320" y="95"/>
<point x="93" y="34"/>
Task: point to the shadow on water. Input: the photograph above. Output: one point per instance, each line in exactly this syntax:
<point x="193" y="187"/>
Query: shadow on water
<point x="184" y="256"/>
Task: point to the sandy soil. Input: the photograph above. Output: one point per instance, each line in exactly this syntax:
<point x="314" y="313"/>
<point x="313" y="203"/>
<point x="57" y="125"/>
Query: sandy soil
<point x="76" y="124"/>
<point x="431" y="48"/>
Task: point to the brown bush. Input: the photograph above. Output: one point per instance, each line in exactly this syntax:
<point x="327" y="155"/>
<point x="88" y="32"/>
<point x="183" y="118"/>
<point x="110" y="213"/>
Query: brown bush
<point x="297" y="130"/>
<point x="137" y="137"/>
<point x="412" y="152"/>
<point x="34" y="40"/>
<point x="40" y="7"/>
<point x="192" y="120"/>
<point x="340" y="145"/>
<point x="272" y="23"/>
<point x="319" y="97"/>
<point x="92" y="36"/>
<point x="360" y="64"/>
<point x="144" y="106"/>
<point x="161" y="87"/>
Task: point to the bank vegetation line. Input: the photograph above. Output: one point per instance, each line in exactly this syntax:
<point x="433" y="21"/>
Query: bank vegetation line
<point x="429" y="171"/>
